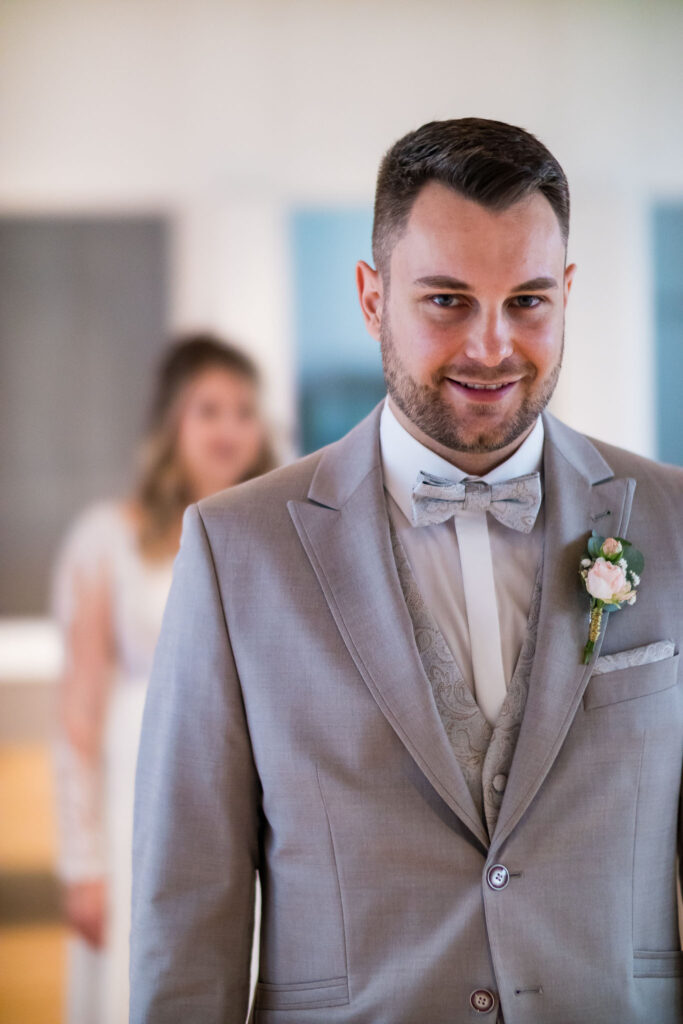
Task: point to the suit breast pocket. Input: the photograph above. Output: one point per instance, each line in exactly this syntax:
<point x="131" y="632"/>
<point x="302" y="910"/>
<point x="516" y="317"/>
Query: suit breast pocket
<point x="624" y="684"/>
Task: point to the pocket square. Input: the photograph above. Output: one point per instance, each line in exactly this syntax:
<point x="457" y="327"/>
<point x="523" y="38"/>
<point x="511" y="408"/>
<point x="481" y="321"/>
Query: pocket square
<point x="657" y="651"/>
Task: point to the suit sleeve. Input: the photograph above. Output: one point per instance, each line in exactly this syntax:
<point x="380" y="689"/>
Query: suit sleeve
<point x="196" y="813"/>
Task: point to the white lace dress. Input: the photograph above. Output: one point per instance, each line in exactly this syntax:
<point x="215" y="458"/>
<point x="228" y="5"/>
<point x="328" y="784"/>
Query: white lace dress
<point x="95" y="808"/>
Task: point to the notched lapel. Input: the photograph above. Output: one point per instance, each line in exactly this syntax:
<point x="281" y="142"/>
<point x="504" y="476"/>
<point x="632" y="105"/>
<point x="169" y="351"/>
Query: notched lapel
<point x="581" y="494"/>
<point x="350" y="551"/>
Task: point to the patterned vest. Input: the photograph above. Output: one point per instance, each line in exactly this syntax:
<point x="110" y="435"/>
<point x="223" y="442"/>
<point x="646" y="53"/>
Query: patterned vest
<point x="483" y="752"/>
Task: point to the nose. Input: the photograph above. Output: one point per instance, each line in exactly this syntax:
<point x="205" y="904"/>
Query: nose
<point x="489" y="339"/>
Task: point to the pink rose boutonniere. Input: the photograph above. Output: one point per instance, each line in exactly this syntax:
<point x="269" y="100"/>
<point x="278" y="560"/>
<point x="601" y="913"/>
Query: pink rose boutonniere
<point x="610" y="571"/>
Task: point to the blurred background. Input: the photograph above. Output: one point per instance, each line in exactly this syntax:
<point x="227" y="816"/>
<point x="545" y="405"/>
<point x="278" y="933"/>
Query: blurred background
<point x="170" y="167"/>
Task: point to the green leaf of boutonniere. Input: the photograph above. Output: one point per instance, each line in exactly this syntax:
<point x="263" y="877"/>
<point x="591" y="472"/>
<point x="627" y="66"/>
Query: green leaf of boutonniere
<point x="634" y="560"/>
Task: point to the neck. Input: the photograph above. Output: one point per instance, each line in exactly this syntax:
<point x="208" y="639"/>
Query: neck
<point x="471" y="463"/>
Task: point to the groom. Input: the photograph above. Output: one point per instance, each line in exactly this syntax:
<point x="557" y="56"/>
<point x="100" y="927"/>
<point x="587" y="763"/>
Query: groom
<point x="370" y="690"/>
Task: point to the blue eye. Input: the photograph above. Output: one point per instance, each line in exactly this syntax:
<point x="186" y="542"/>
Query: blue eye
<point x="528" y="301"/>
<point x="445" y="301"/>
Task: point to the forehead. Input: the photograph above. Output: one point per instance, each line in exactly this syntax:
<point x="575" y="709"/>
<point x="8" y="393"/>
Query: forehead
<point x="449" y="234"/>
<point x="217" y="380"/>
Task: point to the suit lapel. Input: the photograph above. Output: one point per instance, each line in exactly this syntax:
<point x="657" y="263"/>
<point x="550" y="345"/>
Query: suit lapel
<point x="581" y="494"/>
<point x="344" y="530"/>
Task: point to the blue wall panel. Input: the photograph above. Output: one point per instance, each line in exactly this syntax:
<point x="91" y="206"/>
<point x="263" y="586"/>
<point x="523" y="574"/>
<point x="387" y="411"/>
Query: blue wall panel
<point x="339" y="370"/>
<point x="668" y="271"/>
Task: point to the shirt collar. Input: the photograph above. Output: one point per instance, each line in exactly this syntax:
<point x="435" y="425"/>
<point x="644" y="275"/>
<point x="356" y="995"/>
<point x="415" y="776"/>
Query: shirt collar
<point x="403" y="457"/>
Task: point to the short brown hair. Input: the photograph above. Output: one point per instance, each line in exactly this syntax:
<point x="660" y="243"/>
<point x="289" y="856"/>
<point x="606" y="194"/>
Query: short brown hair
<point x="490" y="162"/>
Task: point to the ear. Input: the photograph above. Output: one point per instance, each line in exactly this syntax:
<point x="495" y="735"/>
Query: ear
<point x="370" y="294"/>
<point x="568" y="279"/>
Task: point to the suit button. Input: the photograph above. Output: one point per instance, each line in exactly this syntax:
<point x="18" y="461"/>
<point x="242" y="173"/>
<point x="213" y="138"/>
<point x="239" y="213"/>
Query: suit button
<point x="500" y="782"/>
<point x="497" y="877"/>
<point x="482" y="1000"/>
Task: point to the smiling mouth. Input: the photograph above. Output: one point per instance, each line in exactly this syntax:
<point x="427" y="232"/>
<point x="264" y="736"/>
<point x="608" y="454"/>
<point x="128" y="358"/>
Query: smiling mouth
<point x="483" y="392"/>
<point x="472" y="386"/>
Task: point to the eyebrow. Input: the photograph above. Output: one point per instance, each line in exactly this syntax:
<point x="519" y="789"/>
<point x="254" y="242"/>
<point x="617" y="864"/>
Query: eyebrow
<point x="443" y="281"/>
<point x="537" y="284"/>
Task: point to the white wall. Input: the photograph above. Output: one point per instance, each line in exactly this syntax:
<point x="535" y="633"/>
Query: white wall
<point x="223" y="113"/>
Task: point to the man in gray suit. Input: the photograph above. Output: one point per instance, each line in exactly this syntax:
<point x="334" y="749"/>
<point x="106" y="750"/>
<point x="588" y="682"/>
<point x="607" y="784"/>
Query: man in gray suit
<point x="370" y="687"/>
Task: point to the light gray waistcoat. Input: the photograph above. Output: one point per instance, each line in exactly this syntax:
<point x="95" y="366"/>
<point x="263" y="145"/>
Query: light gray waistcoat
<point x="484" y="753"/>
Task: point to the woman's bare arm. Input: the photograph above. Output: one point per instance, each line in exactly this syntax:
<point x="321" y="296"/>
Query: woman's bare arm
<point x="83" y="697"/>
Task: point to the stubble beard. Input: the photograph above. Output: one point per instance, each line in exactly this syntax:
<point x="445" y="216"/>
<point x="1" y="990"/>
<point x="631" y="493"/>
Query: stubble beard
<point x="424" y="405"/>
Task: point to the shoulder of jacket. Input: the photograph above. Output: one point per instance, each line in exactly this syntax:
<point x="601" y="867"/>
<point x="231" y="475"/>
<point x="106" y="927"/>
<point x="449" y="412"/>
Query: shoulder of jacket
<point x="264" y="497"/>
<point x="641" y="468"/>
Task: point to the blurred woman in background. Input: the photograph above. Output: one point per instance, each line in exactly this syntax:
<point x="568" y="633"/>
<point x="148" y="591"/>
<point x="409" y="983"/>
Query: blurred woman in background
<point x="111" y="582"/>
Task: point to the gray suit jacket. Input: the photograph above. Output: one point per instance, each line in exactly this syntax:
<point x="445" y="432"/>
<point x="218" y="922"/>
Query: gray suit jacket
<point x="290" y="730"/>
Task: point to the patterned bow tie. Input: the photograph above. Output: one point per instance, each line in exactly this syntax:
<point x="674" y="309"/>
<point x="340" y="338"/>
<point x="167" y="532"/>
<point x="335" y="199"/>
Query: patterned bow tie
<point x="515" y="503"/>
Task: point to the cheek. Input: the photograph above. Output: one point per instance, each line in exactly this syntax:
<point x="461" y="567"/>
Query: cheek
<point x="541" y="345"/>
<point x="243" y="440"/>
<point x="248" y="437"/>
<point x="188" y="437"/>
<point x="422" y="343"/>
<point x="196" y="437"/>
<point x="437" y="347"/>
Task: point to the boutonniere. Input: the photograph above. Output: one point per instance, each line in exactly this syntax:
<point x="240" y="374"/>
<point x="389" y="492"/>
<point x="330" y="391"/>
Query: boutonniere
<point x="610" y="570"/>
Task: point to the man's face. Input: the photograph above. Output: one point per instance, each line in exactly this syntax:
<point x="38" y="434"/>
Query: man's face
<point x="471" y="318"/>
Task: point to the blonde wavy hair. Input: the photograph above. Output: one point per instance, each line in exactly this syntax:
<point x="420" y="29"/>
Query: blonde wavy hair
<point x="162" y="491"/>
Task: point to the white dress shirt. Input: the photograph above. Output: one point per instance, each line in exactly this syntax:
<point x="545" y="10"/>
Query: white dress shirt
<point x="450" y="585"/>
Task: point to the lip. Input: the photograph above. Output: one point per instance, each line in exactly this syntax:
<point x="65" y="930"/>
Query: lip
<point x="482" y="395"/>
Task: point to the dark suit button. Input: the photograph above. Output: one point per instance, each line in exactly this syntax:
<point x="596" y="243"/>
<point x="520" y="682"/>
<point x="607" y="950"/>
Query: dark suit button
<point x="497" y="877"/>
<point x="482" y="1000"/>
